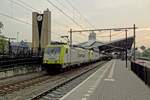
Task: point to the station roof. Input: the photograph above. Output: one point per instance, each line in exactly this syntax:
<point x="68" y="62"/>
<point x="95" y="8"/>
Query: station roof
<point x="117" y="45"/>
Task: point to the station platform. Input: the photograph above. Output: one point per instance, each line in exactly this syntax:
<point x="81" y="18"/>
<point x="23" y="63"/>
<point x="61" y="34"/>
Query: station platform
<point x="113" y="81"/>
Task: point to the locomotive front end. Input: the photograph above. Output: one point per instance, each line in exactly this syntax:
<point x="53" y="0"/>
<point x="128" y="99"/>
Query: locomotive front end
<point x="52" y="55"/>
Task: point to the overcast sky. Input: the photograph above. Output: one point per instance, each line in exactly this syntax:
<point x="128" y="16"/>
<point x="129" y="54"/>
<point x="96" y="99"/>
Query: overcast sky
<point x="100" y="13"/>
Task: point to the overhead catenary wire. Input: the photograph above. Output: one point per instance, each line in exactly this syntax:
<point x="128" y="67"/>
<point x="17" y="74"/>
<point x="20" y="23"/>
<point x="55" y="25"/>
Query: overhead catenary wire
<point x="113" y="34"/>
<point x="14" y="18"/>
<point x="21" y="5"/>
<point x="25" y="6"/>
<point x="79" y="13"/>
<point x="21" y="21"/>
<point x="65" y="14"/>
<point x="18" y="19"/>
<point x="74" y="9"/>
<point x="28" y="5"/>
<point x="66" y="8"/>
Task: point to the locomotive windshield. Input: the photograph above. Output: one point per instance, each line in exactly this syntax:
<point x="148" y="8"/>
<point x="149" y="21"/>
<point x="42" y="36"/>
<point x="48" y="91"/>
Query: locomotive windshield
<point x="53" y="52"/>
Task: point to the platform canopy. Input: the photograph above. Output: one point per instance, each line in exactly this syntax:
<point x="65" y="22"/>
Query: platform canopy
<point x="117" y="45"/>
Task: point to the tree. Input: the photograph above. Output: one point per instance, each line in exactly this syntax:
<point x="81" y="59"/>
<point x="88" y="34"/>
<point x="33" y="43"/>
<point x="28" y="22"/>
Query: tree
<point x="146" y="53"/>
<point x="1" y="26"/>
<point x="3" y="45"/>
<point x="3" y="42"/>
<point x="138" y="53"/>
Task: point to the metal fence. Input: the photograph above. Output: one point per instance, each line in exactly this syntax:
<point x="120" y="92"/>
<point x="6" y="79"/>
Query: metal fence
<point x="143" y="72"/>
<point x="14" y="62"/>
<point x="21" y="53"/>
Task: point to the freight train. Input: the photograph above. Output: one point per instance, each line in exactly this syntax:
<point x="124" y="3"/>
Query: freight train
<point x="59" y="57"/>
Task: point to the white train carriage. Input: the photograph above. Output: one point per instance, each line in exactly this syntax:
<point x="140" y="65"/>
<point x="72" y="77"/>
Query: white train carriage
<point x="76" y="56"/>
<point x="57" y="57"/>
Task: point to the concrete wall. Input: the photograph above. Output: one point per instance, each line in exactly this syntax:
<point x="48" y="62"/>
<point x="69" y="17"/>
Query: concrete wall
<point x="46" y="29"/>
<point x="19" y="71"/>
<point x="35" y="33"/>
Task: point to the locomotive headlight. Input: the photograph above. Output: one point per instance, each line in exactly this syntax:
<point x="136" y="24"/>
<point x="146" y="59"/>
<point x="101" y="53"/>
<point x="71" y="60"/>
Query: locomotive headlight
<point x="45" y="61"/>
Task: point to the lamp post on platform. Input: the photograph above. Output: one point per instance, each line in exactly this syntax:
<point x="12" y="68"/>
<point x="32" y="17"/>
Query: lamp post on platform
<point x="70" y="37"/>
<point x="126" y="47"/>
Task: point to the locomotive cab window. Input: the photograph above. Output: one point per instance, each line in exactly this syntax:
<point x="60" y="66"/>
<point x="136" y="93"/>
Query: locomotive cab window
<point x="53" y="50"/>
<point x="66" y="50"/>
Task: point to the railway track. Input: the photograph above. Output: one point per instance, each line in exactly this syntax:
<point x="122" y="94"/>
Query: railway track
<point x="44" y="87"/>
<point x="59" y="90"/>
<point x="9" y="88"/>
